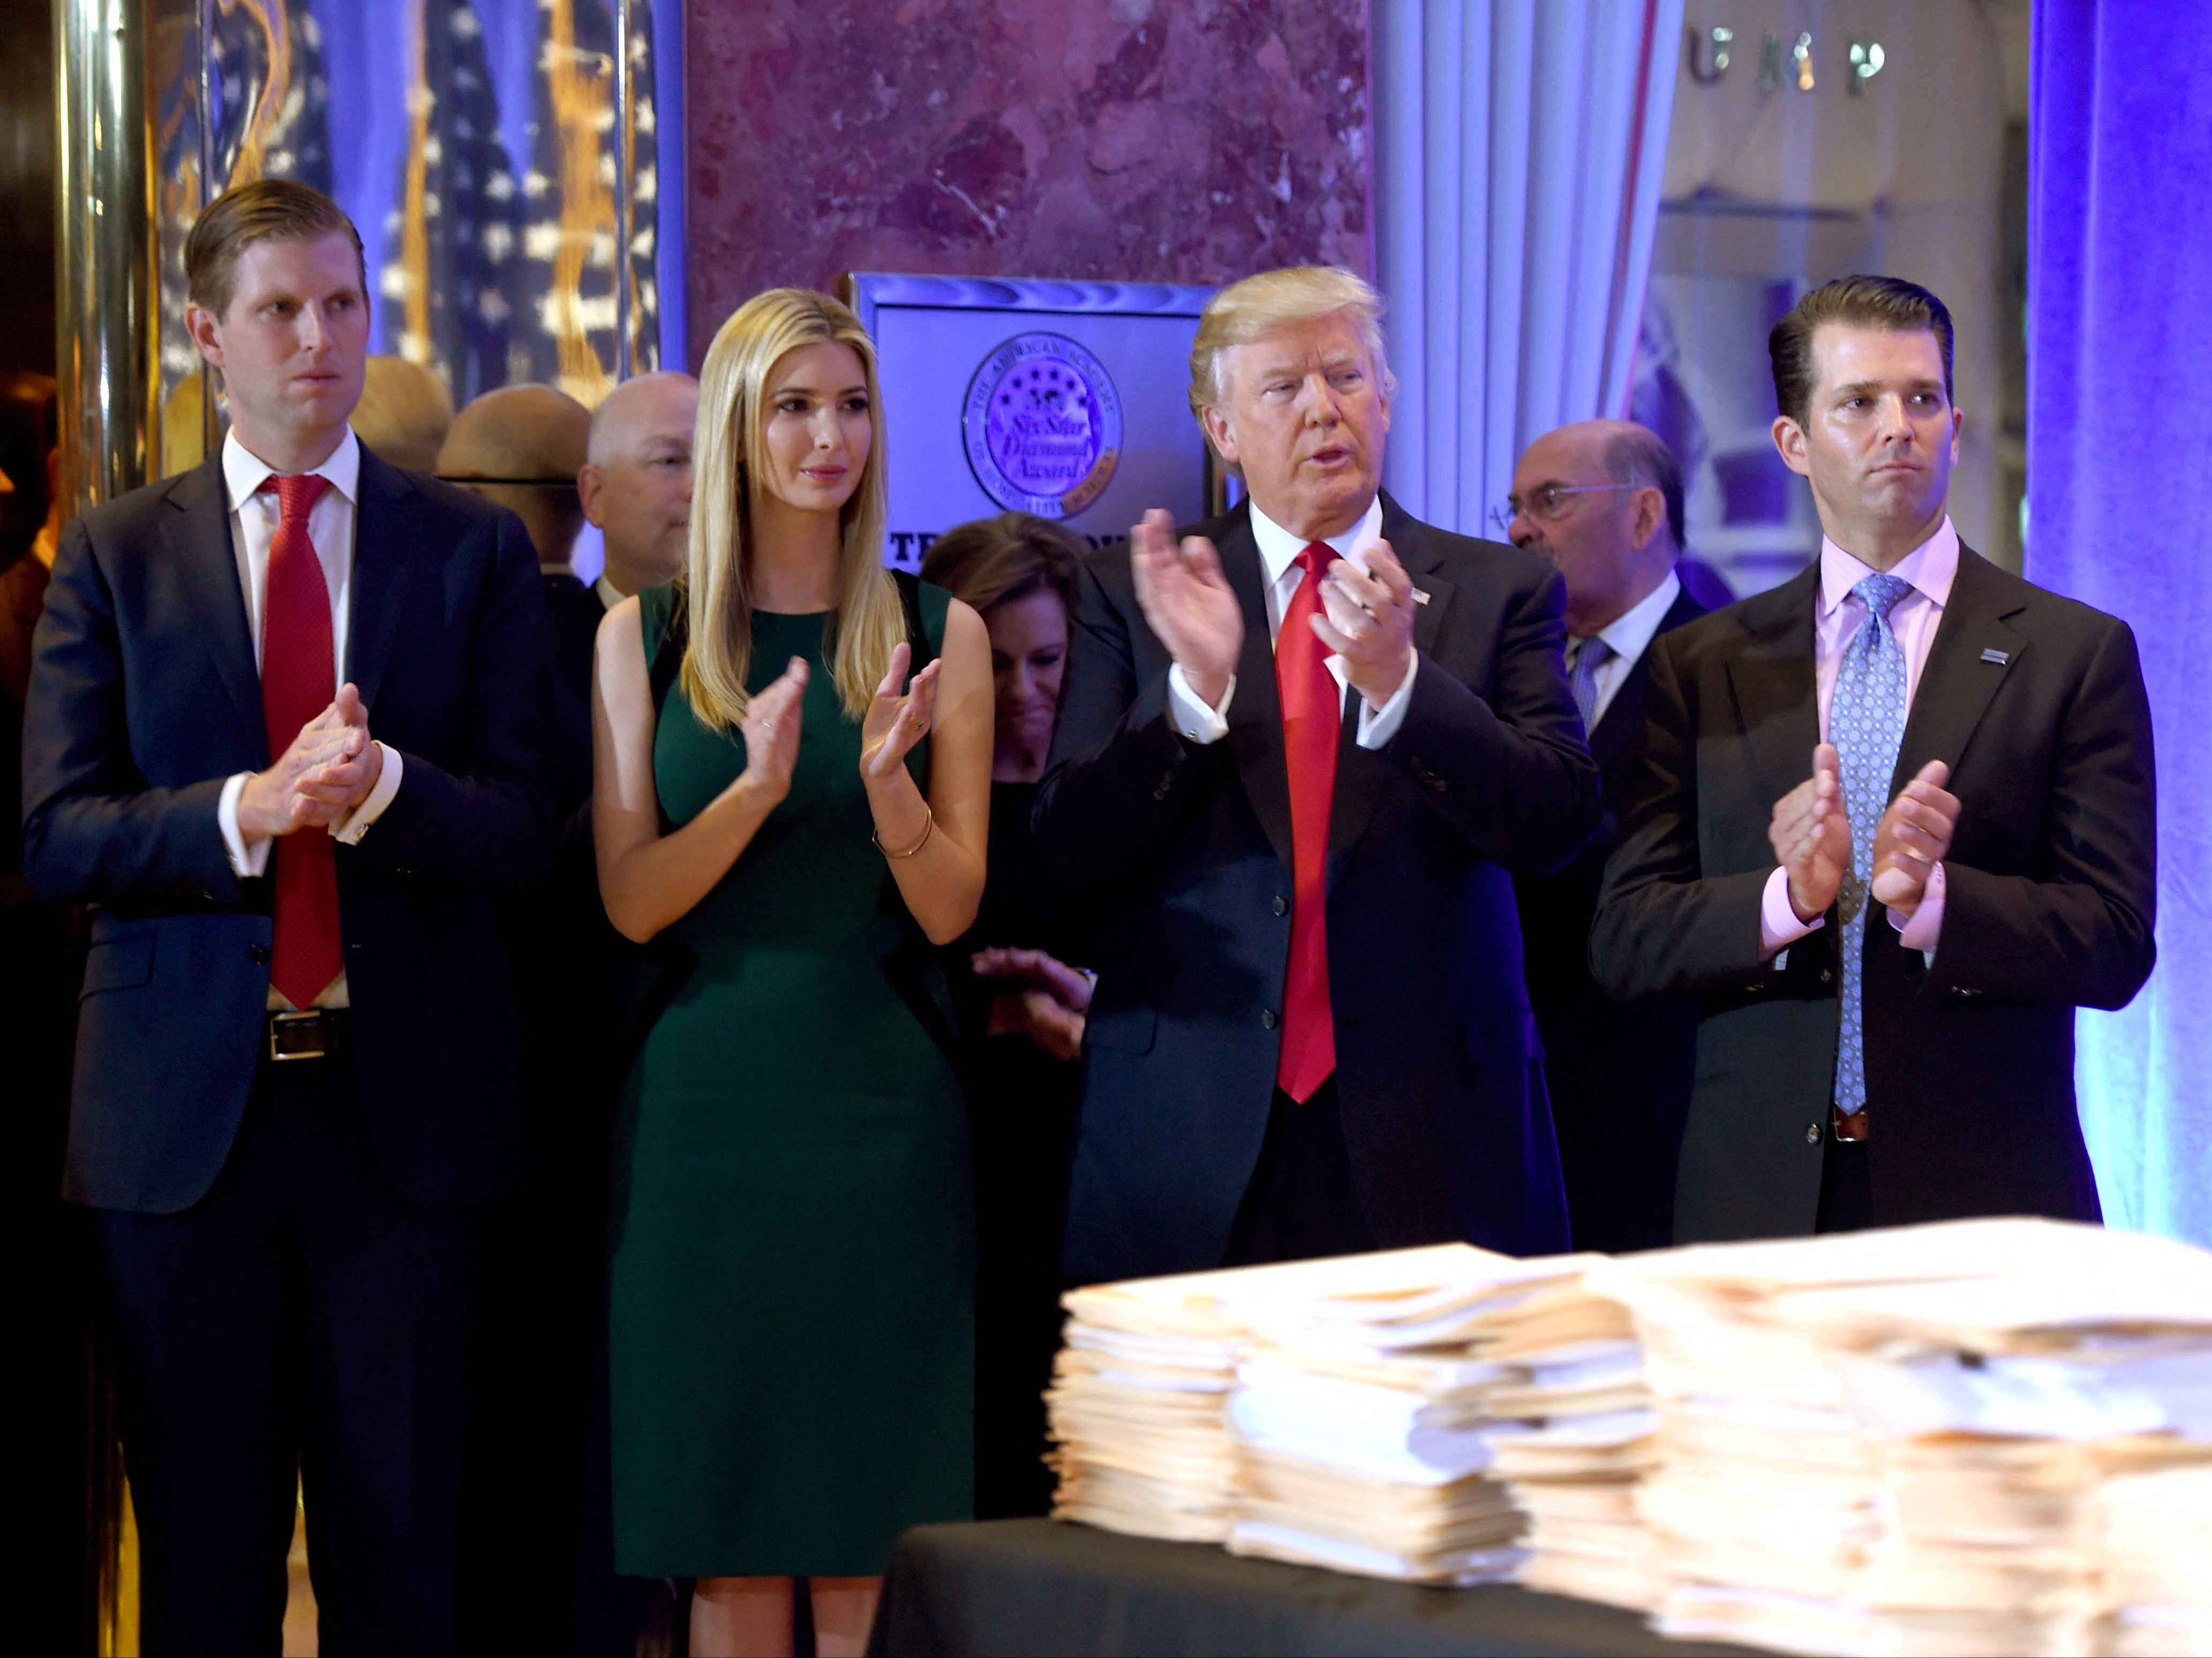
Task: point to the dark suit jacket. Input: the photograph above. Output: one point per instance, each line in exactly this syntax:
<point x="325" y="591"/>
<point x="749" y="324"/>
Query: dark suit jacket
<point x="145" y="699"/>
<point x="1618" y="1073"/>
<point x="2037" y="704"/>
<point x="1185" y="852"/>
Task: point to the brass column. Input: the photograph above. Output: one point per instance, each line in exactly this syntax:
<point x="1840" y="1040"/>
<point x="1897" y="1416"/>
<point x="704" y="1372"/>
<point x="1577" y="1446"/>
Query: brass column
<point x="104" y="271"/>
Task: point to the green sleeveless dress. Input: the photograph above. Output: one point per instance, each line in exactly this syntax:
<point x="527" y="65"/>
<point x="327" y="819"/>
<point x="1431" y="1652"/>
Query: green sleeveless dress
<point x="792" y="1315"/>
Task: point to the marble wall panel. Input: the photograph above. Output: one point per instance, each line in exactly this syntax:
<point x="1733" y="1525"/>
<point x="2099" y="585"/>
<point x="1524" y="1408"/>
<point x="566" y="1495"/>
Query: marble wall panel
<point x="1183" y="141"/>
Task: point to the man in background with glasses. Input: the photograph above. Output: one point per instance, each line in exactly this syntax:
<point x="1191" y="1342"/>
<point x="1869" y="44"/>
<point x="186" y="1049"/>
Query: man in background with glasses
<point x="1602" y="500"/>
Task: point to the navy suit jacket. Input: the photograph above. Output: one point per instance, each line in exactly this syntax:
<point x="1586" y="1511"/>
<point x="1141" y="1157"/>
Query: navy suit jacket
<point x="1184" y="850"/>
<point x="145" y="699"/>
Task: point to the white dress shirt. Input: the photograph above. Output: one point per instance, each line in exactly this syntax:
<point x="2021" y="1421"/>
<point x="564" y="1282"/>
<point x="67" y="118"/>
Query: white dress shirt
<point x="1930" y="567"/>
<point x="253" y="520"/>
<point x="1628" y="636"/>
<point x="1279" y="561"/>
<point x="610" y="594"/>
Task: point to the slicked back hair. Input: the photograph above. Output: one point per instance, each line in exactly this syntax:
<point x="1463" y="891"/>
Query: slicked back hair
<point x="1885" y="303"/>
<point x="1640" y="456"/>
<point x="1244" y="310"/>
<point x="266" y="210"/>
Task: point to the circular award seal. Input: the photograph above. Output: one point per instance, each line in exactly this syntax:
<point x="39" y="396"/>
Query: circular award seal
<point x="1042" y="425"/>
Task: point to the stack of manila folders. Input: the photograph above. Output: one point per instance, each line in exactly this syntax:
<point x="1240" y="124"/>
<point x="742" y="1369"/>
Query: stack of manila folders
<point x="1937" y="1439"/>
<point x="1978" y="1436"/>
<point x="1398" y="1414"/>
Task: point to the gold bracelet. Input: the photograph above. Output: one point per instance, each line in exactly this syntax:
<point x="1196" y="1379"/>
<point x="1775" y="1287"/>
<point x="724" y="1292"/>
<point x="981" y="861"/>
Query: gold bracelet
<point x="928" y="828"/>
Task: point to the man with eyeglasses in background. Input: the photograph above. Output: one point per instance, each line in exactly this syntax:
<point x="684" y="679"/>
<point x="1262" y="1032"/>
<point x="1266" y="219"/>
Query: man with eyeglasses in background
<point x="1602" y="500"/>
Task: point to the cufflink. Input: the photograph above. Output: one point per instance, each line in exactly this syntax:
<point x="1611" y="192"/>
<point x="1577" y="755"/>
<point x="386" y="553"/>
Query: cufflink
<point x="1420" y="596"/>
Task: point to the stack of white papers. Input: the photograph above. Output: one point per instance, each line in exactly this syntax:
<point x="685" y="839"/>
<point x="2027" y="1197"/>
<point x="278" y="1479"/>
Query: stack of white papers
<point x="1138" y="1410"/>
<point x="1894" y="1442"/>
<point x="2158" y="1533"/>
<point x="1373" y="1398"/>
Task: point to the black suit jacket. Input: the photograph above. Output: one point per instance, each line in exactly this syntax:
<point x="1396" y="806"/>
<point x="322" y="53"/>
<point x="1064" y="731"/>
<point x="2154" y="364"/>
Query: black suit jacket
<point x="1184" y="851"/>
<point x="1618" y="1073"/>
<point x="145" y="699"/>
<point x="2037" y="704"/>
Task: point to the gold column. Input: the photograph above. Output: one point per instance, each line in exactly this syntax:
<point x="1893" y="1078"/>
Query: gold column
<point x="104" y="271"/>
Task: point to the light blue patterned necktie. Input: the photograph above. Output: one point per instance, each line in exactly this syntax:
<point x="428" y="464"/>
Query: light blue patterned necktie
<point x="1591" y="655"/>
<point x="1866" y="723"/>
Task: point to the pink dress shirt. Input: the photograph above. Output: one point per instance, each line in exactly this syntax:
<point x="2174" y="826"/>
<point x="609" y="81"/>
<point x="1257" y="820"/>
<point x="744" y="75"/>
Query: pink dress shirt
<point x="1930" y="567"/>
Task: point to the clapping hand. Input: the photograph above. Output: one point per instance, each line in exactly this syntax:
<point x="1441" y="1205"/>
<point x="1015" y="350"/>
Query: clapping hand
<point x="895" y="722"/>
<point x="1812" y="836"/>
<point x="1913" y="837"/>
<point x="318" y="778"/>
<point x="1049" y="1008"/>
<point x="1369" y="621"/>
<point x="1188" y="603"/>
<point x="771" y="731"/>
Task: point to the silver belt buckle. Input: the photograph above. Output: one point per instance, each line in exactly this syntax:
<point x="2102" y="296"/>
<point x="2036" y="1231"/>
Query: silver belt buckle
<point x="298" y="1036"/>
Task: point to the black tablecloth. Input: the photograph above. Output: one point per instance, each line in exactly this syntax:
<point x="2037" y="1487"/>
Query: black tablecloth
<point x="1038" y="1586"/>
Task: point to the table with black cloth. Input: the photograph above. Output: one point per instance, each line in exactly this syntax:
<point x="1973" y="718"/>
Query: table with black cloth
<point x="1043" y="1587"/>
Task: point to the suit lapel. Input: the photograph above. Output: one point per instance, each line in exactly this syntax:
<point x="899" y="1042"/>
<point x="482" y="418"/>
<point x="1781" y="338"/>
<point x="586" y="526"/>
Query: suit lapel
<point x="385" y="524"/>
<point x="1974" y="649"/>
<point x="1776" y="686"/>
<point x="1255" y="712"/>
<point x="1360" y="773"/>
<point x="197" y="536"/>
<point x="1624" y="716"/>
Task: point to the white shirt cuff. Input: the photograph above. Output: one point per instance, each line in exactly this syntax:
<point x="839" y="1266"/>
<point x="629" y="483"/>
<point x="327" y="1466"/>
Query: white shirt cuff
<point x="1925" y="928"/>
<point x="1778" y="926"/>
<point x="1378" y="725"/>
<point x="248" y="861"/>
<point x="349" y="829"/>
<point x="1197" y="722"/>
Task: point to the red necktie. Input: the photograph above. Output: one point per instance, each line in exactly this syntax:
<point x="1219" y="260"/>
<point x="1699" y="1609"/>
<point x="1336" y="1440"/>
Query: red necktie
<point x="1313" y="715"/>
<point x="299" y="671"/>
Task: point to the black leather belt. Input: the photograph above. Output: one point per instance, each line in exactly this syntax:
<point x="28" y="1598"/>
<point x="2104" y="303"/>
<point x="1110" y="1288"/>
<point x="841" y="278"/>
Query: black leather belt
<point x="1850" y="1126"/>
<point x="317" y="1034"/>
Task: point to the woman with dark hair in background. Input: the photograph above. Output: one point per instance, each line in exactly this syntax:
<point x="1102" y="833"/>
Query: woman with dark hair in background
<point x="1020" y="1011"/>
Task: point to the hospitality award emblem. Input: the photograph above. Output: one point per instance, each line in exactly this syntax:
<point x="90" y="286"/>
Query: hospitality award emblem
<point x="1042" y="425"/>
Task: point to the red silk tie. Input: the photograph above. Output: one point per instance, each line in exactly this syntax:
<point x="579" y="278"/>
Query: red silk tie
<point x="299" y="671"/>
<point x="1313" y="715"/>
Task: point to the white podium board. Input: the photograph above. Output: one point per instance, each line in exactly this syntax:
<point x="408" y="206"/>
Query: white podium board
<point x="1069" y="400"/>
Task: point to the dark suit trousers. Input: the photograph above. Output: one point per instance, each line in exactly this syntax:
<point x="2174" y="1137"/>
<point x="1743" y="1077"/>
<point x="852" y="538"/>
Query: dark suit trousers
<point x="300" y="1321"/>
<point x="1301" y="1202"/>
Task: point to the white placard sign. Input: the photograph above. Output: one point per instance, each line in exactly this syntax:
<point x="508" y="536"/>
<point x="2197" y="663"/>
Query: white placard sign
<point x="1068" y="400"/>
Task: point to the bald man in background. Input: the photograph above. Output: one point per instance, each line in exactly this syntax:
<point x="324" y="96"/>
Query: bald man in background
<point x="528" y="1580"/>
<point x="1602" y="500"/>
<point x="636" y="485"/>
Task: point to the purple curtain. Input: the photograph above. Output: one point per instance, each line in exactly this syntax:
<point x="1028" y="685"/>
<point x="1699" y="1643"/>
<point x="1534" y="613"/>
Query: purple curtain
<point x="2119" y="477"/>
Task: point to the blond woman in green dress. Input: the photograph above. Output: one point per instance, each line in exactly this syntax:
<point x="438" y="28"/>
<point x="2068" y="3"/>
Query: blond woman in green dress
<point x="792" y="1321"/>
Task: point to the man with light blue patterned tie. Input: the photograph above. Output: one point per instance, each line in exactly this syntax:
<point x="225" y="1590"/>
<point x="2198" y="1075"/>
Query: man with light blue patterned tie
<point x="1888" y="956"/>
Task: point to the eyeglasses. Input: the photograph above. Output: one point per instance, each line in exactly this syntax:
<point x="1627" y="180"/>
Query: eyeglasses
<point x="1549" y="503"/>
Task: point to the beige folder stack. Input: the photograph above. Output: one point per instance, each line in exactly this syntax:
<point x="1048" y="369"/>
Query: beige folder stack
<point x="2158" y="1544"/>
<point x="1895" y="1441"/>
<point x="1137" y="1409"/>
<point x="1347" y="1412"/>
<point x="1363" y="1414"/>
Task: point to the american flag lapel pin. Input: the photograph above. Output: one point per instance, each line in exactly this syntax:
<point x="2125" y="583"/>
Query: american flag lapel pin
<point x="1420" y="596"/>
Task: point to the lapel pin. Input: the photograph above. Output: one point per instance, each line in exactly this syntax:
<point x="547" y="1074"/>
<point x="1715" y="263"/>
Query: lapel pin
<point x="2000" y="657"/>
<point x="1420" y="597"/>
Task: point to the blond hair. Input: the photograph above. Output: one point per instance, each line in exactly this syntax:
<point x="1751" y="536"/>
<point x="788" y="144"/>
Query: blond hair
<point x="870" y="620"/>
<point x="405" y="412"/>
<point x="1243" y="311"/>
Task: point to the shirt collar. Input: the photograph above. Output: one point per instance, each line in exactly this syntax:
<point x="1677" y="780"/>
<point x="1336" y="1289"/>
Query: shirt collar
<point x="1930" y="567"/>
<point x="610" y="594"/>
<point x="244" y="472"/>
<point x="1279" y="548"/>
<point x="1628" y="633"/>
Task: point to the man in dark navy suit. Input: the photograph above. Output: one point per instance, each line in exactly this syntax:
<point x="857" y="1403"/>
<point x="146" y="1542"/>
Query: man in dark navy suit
<point x="1300" y="750"/>
<point x="285" y="728"/>
<point x="1602" y="500"/>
